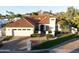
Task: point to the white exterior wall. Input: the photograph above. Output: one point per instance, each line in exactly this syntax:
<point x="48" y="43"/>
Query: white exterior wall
<point x="59" y="29"/>
<point x="73" y="30"/>
<point x="19" y="32"/>
<point x="0" y="33"/>
<point x="52" y="25"/>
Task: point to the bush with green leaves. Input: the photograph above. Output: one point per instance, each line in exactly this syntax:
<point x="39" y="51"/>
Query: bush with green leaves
<point x="35" y="35"/>
<point x="7" y="38"/>
<point x="48" y="36"/>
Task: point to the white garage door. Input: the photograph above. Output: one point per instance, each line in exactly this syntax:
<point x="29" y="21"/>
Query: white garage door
<point x="22" y="32"/>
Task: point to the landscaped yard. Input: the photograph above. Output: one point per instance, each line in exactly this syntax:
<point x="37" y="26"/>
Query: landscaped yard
<point x="52" y="43"/>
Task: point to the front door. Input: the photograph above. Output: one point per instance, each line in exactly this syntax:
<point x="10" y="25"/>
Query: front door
<point x="42" y="29"/>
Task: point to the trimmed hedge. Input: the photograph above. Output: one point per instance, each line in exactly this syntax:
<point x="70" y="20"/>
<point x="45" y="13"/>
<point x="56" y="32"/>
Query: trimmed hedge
<point x="52" y="43"/>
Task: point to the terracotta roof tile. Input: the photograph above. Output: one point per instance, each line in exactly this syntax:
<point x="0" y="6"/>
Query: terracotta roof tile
<point x="20" y="23"/>
<point x="45" y="20"/>
<point x="30" y="21"/>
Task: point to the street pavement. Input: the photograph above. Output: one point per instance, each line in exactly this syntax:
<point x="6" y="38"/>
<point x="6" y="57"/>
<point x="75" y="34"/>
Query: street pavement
<point x="67" y="47"/>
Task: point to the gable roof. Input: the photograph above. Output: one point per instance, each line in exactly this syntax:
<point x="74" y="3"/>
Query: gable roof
<point x="20" y="23"/>
<point x="46" y="20"/>
<point x="43" y="19"/>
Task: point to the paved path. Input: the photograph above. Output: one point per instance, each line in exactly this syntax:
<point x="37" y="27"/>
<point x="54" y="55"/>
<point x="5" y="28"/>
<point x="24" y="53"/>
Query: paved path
<point x="72" y="46"/>
<point x="16" y="43"/>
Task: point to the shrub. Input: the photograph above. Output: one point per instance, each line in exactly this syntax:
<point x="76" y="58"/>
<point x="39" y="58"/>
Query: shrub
<point x="57" y="32"/>
<point x="35" y="35"/>
<point x="7" y="38"/>
<point x="50" y="31"/>
<point x="48" y="36"/>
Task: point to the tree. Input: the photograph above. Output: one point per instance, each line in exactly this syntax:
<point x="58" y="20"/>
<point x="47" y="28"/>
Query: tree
<point x="63" y="25"/>
<point x="76" y="21"/>
<point x="69" y="16"/>
<point x="1" y="16"/>
<point x="71" y="13"/>
<point x="18" y="15"/>
<point x="10" y="16"/>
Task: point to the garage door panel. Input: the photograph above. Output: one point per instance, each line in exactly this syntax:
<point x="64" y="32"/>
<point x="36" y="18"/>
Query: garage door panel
<point x="22" y="33"/>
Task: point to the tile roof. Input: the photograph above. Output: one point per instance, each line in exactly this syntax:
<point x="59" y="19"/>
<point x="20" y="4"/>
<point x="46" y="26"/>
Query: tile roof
<point x="20" y="23"/>
<point x="46" y="20"/>
<point x="30" y="21"/>
<point x="43" y="19"/>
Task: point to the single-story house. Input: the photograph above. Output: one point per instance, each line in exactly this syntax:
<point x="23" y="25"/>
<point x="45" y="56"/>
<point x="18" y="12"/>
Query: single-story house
<point x="29" y="25"/>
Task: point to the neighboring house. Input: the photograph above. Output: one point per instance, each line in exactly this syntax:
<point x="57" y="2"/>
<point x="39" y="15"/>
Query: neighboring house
<point x="29" y="25"/>
<point x="73" y="30"/>
<point x="2" y="22"/>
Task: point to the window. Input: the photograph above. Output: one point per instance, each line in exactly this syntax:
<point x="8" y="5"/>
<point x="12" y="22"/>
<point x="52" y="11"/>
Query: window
<point x="19" y="29"/>
<point x="28" y="29"/>
<point x="52" y="19"/>
<point x="14" y="29"/>
<point x="47" y="28"/>
<point x="24" y="29"/>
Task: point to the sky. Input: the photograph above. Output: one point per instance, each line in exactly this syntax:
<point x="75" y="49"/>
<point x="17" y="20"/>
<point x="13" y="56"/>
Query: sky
<point x="27" y="9"/>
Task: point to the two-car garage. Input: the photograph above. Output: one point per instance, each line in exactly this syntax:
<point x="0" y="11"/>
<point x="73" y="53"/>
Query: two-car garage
<point x="19" y="31"/>
<point x="21" y="27"/>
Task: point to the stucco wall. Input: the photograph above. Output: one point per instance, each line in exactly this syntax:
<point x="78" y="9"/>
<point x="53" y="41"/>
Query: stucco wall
<point x="52" y="25"/>
<point x="10" y="31"/>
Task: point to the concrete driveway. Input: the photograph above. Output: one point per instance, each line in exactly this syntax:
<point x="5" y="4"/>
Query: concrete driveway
<point x="15" y="44"/>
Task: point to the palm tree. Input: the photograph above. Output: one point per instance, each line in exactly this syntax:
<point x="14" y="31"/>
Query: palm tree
<point x="10" y="16"/>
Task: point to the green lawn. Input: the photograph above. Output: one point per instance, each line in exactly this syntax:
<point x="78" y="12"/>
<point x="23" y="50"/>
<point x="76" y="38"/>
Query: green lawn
<point x="52" y="43"/>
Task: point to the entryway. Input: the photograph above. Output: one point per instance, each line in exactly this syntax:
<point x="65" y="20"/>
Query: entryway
<point x="42" y="29"/>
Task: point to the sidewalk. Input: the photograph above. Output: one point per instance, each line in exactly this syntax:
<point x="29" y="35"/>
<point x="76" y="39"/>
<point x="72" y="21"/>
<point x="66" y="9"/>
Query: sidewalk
<point x="66" y="47"/>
